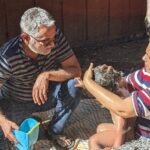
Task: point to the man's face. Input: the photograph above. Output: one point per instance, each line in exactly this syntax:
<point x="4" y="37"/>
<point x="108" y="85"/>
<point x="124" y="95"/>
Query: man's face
<point x="146" y="58"/>
<point x="44" y="41"/>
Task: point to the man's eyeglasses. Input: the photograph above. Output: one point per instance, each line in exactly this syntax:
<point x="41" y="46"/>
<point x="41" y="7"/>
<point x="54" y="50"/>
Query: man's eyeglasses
<point x="44" y="43"/>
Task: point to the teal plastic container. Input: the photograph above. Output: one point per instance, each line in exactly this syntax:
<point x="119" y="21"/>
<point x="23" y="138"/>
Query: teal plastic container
<point x="27" y="135"/>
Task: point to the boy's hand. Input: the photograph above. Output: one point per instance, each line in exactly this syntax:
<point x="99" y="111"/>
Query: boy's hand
<point x="80" y="83"/>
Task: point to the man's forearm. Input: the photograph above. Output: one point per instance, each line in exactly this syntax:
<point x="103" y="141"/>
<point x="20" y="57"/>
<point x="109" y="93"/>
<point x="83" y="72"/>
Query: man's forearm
<point x="110" y="100"/>
<point x="62" y="75"/>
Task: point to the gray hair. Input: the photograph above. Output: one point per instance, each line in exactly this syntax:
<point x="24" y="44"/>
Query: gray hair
<point x="33" y="18"/>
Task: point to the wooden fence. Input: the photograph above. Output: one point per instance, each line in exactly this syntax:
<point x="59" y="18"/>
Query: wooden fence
<point x="82" y="21"/>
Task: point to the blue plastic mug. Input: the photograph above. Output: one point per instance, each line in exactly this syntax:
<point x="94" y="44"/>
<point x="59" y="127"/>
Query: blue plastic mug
<point x="27" y="135"/>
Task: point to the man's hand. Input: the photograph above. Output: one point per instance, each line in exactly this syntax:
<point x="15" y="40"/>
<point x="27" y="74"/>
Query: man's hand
<point x="89" y="73"/>
<point x="40" y="89"/>
<point x="7" y="127"/>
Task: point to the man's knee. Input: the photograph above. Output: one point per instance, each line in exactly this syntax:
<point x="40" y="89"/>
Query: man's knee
<point x="73" y="91"/>
<point x="70" y="94"/>
<point x="104" y="126"/>
<point x="93" y="143"/>
<point x="100" y="128"/>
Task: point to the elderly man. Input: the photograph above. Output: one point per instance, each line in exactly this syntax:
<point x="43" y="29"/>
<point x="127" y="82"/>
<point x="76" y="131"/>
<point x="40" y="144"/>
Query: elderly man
<point x="36" y="72"/>
<point x="135" y="105"/>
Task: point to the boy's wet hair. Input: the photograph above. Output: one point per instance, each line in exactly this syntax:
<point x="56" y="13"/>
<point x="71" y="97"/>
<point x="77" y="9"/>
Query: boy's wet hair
<point x="108" y="78"/>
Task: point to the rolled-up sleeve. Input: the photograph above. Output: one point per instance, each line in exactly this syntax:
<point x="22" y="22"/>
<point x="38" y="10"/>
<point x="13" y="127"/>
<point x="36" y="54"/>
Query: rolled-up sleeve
<point x="140" y="93"/>
<point x="141" y="102"/>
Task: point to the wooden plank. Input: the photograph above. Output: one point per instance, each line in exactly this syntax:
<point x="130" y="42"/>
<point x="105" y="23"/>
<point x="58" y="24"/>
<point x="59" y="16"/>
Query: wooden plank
<point x="126" y="18"/>
<point x="138" y="12"/>
<point x="3" y="27"/>
<point x="97" y="20"/>
<point x="143" y="14"/>
<point x="74" y="17"/>
<point x="54" y="7"/>
<point x="82" y="21"/>
<point x="15" y="9"/>
<point x="116" y="14"/>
